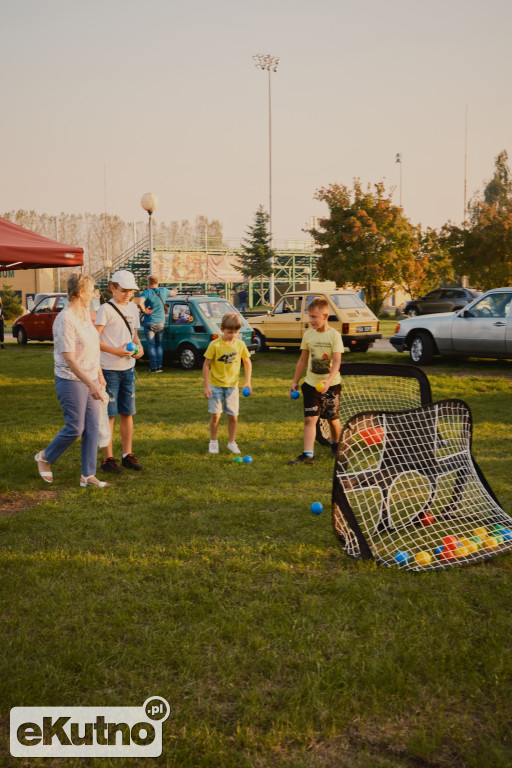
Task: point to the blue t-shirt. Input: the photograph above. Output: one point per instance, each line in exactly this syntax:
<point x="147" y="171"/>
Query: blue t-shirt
<point x="152" y="301"/>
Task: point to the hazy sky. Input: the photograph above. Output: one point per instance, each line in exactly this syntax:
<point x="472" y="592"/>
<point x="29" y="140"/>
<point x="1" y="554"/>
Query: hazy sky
<point x="165" y="95"/>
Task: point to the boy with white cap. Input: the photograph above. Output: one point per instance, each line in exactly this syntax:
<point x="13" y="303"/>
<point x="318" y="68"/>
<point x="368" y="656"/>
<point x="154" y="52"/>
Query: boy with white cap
<point x="117" y="322"/>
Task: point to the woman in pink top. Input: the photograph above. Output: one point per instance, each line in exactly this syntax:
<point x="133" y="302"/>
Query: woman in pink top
<point x="79" y="382"/>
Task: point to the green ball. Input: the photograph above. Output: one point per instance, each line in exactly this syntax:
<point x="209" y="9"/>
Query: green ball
<point x="238" y="460"/>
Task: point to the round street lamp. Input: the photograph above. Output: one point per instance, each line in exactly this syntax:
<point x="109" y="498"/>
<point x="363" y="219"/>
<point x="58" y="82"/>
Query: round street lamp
<point x="149" y="202"/>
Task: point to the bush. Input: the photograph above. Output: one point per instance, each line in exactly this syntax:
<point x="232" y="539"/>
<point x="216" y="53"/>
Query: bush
<point x="11" y="303"/>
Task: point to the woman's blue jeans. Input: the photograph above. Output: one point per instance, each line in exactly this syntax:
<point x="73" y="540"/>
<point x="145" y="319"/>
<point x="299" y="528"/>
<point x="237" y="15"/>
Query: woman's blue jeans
<point x="81" y="417"/>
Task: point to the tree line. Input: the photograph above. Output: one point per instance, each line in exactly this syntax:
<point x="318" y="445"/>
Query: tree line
<point x="104" y="236"/>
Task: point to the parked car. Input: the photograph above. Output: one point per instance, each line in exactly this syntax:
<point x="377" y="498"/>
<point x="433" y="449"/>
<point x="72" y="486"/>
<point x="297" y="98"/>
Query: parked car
<point x="482" y="329"/>
<point x="284" y="326"/>
<point x="37" y="325"/>
<point x="191" y="322"/>
<point x="440" y="300"/>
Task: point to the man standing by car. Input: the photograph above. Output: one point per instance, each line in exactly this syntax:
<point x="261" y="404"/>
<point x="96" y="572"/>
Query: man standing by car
<point x="152" y="305"/>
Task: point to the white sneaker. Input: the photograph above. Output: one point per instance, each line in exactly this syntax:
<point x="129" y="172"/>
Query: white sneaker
<point x="233" y="447"/>
<point x="213" y="447"/>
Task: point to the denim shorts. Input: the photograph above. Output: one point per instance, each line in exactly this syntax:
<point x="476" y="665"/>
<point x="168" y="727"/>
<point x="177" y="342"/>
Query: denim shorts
<point x="223" y="399"/>
<point x="121" y="392"/>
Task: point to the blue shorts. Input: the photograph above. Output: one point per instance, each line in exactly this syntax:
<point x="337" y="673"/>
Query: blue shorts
<point x="121" y="392"/>
<point x="223" y="399"/>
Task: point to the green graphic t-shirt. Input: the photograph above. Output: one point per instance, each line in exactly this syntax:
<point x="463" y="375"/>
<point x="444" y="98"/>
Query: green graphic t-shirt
<point x="321" y="347"/>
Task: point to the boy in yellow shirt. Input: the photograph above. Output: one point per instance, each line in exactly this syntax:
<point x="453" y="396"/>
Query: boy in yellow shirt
<point x="221" y="371"/>
<point x="321" y="347"/>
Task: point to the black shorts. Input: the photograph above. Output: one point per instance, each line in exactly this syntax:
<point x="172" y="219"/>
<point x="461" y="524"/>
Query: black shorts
<point x="323" y="404"/>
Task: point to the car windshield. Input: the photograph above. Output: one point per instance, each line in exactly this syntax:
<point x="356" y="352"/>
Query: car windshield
<point x="215" y="310"/>
<point x="347" y="300"/>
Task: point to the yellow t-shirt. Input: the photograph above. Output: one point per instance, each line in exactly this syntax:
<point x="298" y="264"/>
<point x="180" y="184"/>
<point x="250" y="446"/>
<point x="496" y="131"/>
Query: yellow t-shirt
<point x="226" y="360"/>
<point x="321" y="347"/>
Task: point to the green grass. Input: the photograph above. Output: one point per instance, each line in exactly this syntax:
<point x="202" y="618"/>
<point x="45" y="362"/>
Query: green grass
<point x="212" y="585"/>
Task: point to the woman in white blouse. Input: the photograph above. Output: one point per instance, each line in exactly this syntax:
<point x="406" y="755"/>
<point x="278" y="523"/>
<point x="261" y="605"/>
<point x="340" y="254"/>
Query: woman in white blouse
<point x="79" y="382"/>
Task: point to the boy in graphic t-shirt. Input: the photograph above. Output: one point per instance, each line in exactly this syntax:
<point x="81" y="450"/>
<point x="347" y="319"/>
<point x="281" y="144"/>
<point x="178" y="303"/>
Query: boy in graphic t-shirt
<point x="221" y="371"/>
<point x="321" y="347"/>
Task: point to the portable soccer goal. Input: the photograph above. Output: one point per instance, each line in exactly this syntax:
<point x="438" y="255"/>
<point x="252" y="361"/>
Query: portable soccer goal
<point x="407" y="491"/>
<point x="377" y="386"/>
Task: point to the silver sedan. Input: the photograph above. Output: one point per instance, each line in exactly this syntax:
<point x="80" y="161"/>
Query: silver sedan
<point x="482" y="329"/>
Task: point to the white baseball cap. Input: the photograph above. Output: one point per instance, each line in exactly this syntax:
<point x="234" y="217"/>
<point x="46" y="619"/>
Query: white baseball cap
<point x="124" y="279"/>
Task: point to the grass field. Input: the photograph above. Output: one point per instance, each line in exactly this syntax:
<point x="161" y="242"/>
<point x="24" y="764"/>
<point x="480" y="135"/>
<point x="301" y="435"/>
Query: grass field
<point x="211" y="584"/>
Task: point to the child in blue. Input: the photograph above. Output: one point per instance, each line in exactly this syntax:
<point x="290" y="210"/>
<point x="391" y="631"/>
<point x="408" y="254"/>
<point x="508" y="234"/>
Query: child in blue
<point x="152" y="305"/>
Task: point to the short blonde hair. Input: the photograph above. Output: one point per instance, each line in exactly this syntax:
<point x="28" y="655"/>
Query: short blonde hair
<point x="231" y="322"/>
<point x="77" y="283"/>
<point x="153" y="280"/>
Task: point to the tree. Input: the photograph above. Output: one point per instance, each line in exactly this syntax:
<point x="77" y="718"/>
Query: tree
<point x="432" y="265"/>
<point x="256" y="255"/>
<point x="11" y="302"/>
<point x="482" y="248"/>
<point x="365" y="242"/>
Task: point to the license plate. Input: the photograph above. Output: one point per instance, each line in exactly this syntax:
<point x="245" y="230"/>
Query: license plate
<point x="363" y="328"/>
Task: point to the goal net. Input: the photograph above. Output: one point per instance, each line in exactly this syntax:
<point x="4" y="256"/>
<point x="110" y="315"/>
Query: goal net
<point x="407" y="491"/>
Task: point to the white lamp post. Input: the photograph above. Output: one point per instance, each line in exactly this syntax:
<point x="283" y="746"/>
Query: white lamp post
<point x="150" y="202"/>
<point x="307" y="272"/>
<point x="108" y="266"/>
<point x="270" y="64"/>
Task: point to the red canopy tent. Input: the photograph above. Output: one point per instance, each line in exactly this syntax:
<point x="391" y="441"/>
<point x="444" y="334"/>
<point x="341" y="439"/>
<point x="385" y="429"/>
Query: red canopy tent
<point x="22" y="249"/>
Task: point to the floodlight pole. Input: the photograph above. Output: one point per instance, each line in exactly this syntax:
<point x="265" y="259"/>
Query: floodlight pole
<point x="270" y="64"/>
<point x="149" y="202"/>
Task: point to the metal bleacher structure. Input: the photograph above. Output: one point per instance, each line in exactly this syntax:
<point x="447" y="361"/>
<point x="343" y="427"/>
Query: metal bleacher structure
<point x="294" y="268"/>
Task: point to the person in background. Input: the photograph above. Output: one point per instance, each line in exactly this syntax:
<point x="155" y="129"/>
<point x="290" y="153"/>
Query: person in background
<point x="79" y="382"/>
<point x="116" y="322"/>
<point x="2" y="320"/>
<point x="152" y="304"/>
<point x="242" y="300"/>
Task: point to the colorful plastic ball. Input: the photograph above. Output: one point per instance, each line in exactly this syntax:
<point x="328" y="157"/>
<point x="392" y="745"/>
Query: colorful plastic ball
<point x="427" y="519"/>
<point x="472" y="546"/>
<point x="476" y="540"/>
<point x="480" y="532"/>
<point x="295" y="394"/>
<point x="489" y="542"/>
<point x="461" y="551"/>
<point x="447" y="554"/>
<point x="320" y="386"/>
<point x="317" y="508"/>
<point x="423" y="558"/>
<point x="506" y="533"/>
<point x="372" y="435"/>
<point x="247" y="459"/>
<point x="238" y="460"/>
<point x="450" y="542"/>
<point x="499" y="538"/>
<point x="246" y="391"/>
<point x="402" y="558"/>
<point x="438" y="550"/>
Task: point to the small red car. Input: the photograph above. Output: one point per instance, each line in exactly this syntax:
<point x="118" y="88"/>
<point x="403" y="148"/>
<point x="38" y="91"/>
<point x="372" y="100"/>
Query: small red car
<point x="37" y="324"/>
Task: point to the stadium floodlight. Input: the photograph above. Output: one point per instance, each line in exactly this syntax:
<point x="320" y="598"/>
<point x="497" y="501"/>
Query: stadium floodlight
<point x="268" y="63"/>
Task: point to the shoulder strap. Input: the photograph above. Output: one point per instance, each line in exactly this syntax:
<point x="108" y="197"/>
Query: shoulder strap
<point x="124" y="318"/>
<point x="155" y="291"/>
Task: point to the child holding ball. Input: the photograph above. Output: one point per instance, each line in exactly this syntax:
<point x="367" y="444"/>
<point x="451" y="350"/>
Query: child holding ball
<point x="221" y="371"/>
<point x="321" y="347"/>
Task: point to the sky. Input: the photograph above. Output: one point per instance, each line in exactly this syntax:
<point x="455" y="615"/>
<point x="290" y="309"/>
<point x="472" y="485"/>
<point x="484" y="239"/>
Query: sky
<point x="110" y="99"/>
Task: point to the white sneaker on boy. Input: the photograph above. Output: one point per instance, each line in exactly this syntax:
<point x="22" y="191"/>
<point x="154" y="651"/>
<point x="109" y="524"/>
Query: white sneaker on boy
<point x="233" y="447"/>
<point x="213" y="447"/>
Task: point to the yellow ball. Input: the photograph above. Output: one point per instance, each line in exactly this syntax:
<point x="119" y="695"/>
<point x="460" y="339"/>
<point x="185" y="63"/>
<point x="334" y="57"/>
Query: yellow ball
<point x="320" y="386"/>
<point x="461" y="551"/>
<point x="472" y="546"/>
<point x="480" y="532"/>
<point x="490" y="542"/>
<point x="423" y="558"/>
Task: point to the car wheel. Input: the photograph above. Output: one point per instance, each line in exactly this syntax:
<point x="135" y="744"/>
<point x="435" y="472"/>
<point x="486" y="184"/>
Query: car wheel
<point x="259" y="340"/>
<point x="422" y="349"/>
<point x="362" y="346"/>
<point x="21" y="336"/>
<point x="323" y="432"/>
<point x="412" y="312"/>
<point x="189" y="357"/>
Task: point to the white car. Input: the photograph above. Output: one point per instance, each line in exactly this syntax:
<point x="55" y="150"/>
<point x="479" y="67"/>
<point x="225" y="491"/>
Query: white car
<point x="481" y="329"/>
